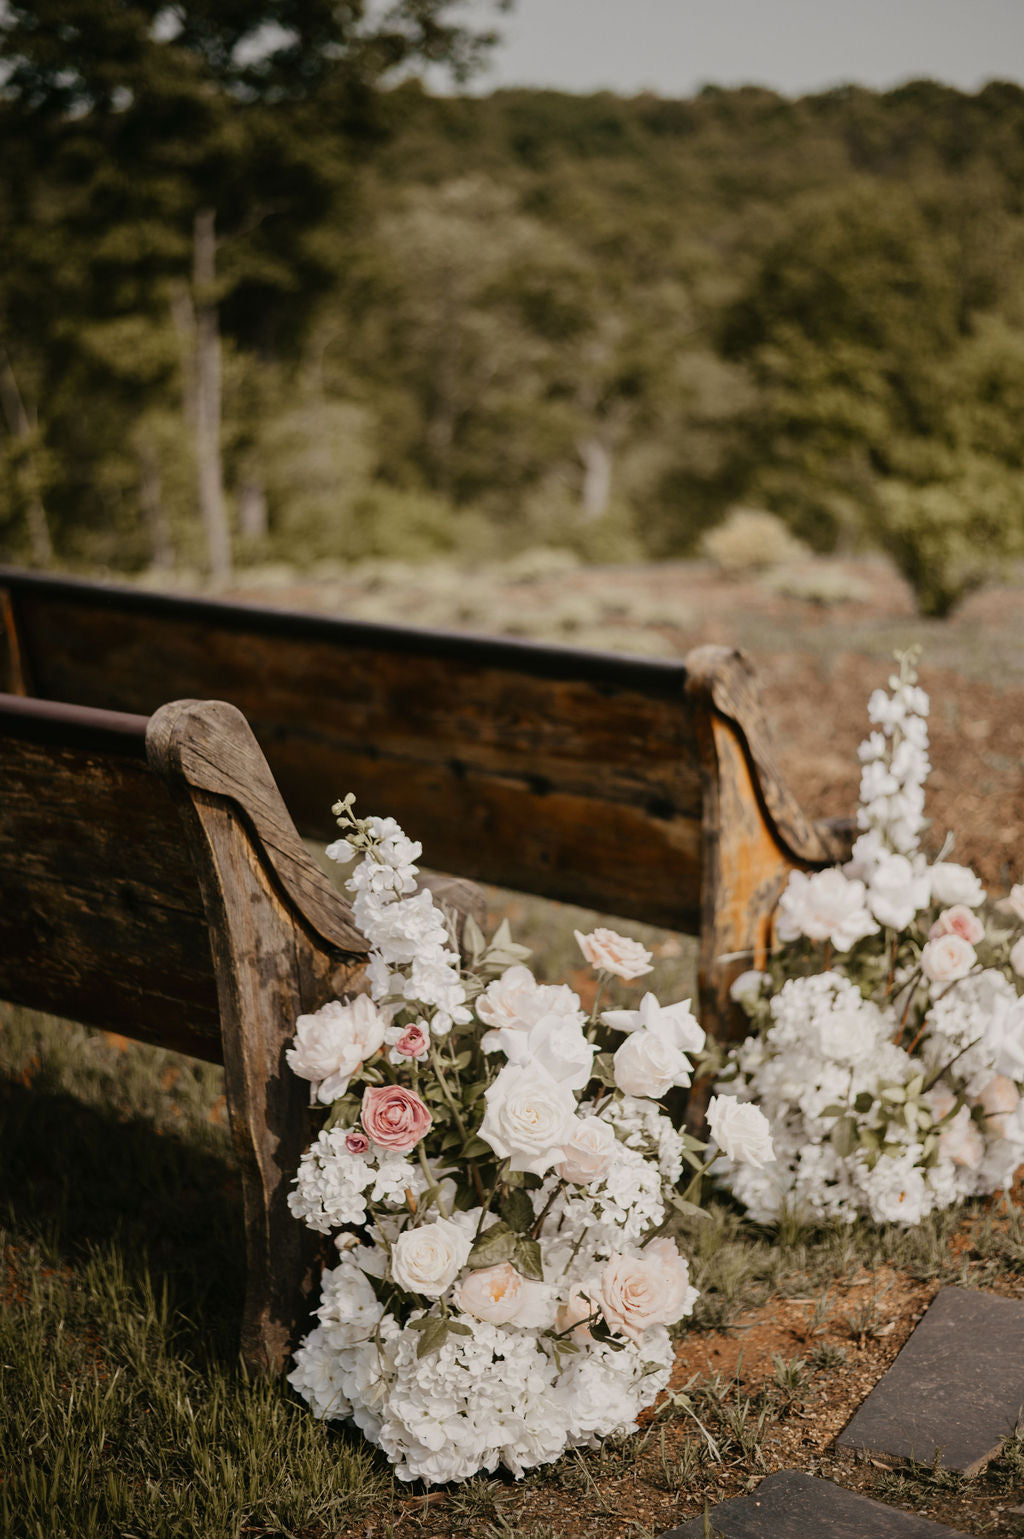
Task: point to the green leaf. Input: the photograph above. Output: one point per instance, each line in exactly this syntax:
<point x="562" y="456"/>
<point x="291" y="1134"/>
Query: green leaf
<point x="494" y="1246"/>
<point x="834" y="1111"/>
<point x="604" y="1069"/>
<point x="474" y="1091"/>
<point x="473" y="939"/>
<point x="476" y="1149"/>
<point x="434" y="1336"/>
<point x="689" y="1208"/>
<point x="456" y="1328"/>
<point x="527" y="1259"/>
<point x="843" y="1136"/>
<point x="864" y="1101"/>
<point x="462" y="1061"/>
<point x="517" y="1211"/>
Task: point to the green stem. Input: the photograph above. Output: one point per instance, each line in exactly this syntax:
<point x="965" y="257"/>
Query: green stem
<point x="435" y="1059"/>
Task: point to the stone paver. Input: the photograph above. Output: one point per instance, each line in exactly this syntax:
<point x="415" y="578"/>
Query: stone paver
<point x="956" y="1387"/>
<point x="791" y="1505"/>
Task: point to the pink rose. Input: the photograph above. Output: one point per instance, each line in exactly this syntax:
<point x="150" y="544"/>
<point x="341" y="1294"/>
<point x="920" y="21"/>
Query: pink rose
<point x="356" y="1142"/>
<point x="947" y="958"/>
<point x="394" y="1118"/>
<point x="958" y="920"/>
<point x="579" y="1306"/>
<point x="613" y="953"/>
<point x="413" y="1042"/>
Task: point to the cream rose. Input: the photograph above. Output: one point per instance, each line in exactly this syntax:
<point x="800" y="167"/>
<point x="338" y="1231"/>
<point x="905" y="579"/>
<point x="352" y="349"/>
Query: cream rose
<point x="636" y="1293"/>
<point x="529" y="1118"/>
<point x="516" y="1001"/>
<point x="647" y="1064"/>
<point x="493" y="1294"/>
<point x="741" y="1130"/>
<point x="589" y="1151"/>
<point x="958" y="920"/>
<point x="427" y="1260"/>
<point x="332" y="1043"/>
<point x="999" y="1100"/>
<point x="610" y="952"/>
<point x="947" y="958"/>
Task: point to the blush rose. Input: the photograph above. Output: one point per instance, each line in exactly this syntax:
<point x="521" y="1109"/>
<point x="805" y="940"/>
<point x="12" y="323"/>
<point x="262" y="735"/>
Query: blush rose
<point x="394" y="1118"/>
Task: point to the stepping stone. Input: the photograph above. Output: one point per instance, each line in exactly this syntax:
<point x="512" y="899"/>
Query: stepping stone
<point x="791" y="1505"/>
<point x="956" y="1387"/>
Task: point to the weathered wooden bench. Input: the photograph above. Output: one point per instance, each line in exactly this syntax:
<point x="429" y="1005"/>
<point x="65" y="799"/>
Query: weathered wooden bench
<point x="643" y="788"/>
<point x="209" y="938"/>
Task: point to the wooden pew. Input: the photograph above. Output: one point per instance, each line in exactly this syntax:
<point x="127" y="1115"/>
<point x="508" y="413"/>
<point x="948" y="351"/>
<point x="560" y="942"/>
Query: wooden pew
<point x="154" y="884"/>
<point x="640" y="787"/>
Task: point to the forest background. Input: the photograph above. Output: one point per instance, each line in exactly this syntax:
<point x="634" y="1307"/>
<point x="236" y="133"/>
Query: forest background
<point x="264" y="298"/>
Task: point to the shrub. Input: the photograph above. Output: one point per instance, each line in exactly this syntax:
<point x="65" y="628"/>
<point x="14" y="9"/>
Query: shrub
<point x="750" y="540"/>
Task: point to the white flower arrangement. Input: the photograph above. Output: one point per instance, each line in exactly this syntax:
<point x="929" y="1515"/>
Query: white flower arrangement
<point x="502" y="1184"/>
<point x="889" y="1049"/>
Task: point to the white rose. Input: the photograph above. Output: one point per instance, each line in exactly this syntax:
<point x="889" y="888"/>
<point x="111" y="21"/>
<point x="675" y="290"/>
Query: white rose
<point x="1017" y="957"/>
<point x="638" y="1292"/>
<point x="427" y="1260"/>
<point x="824" y="906"/>
<point x="332" y="1043"/>
<point x="608" y="951"/>
<point x="947" y="958"/>
<point x="896" y="891"/>
<point x="676" y="1023"/>
<point x="741" y="1130"/>
<point x="529" y="1118"/>
<point x="747" y="989"/>
<point x="589" y="1152"/>
<point x="516" y="1002"/>
<point x="648" y="1064"/>
<point x="556" y="1043"/>
<point x="955" y="884"/>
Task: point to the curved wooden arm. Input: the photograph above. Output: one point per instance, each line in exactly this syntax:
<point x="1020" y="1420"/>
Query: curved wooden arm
<point x="210" y="745"/>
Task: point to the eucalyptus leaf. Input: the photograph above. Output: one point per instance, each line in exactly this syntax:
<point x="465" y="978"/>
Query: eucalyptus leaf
<point x="843" y="1136"/>
<point x="476" y="1149"/>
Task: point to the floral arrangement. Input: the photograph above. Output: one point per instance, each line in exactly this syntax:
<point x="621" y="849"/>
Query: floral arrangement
<point x="500" y="1182"/>
<point x="888" y="1054"/>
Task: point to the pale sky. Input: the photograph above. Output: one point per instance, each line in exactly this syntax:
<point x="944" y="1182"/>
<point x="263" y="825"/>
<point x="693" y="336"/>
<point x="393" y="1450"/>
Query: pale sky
<point x="672" y="47"/>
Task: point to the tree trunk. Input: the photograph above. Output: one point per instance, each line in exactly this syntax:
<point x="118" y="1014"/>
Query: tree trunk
<point x="252" y="508"/>
<point x="209" y="468"/>
<point x="597" y="477"/>
<point x="20" y="428"/>
<point x="154" y="514"/>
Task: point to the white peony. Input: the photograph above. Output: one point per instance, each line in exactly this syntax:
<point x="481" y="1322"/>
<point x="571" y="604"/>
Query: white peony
<point x="740" y="1130"/>
<point x="516" y="1002"/>
<point x="824" y="906"/>
<point x="529" y="1118"/>
<point x="332" y="1043"/>
<point x="427" y="1260"/>
<point x="556" y="1043"/>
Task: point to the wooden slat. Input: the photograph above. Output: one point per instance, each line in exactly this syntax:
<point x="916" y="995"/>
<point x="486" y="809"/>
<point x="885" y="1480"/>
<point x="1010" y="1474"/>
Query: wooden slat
<point x="101" y="919"/>
<point x="567" y="773"/>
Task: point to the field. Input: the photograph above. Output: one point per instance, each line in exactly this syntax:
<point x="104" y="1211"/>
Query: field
<point x="124" y="1411"/>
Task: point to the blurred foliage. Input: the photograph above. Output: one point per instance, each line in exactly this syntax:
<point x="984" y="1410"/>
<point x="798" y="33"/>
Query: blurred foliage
<point x="466" y="326"/>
